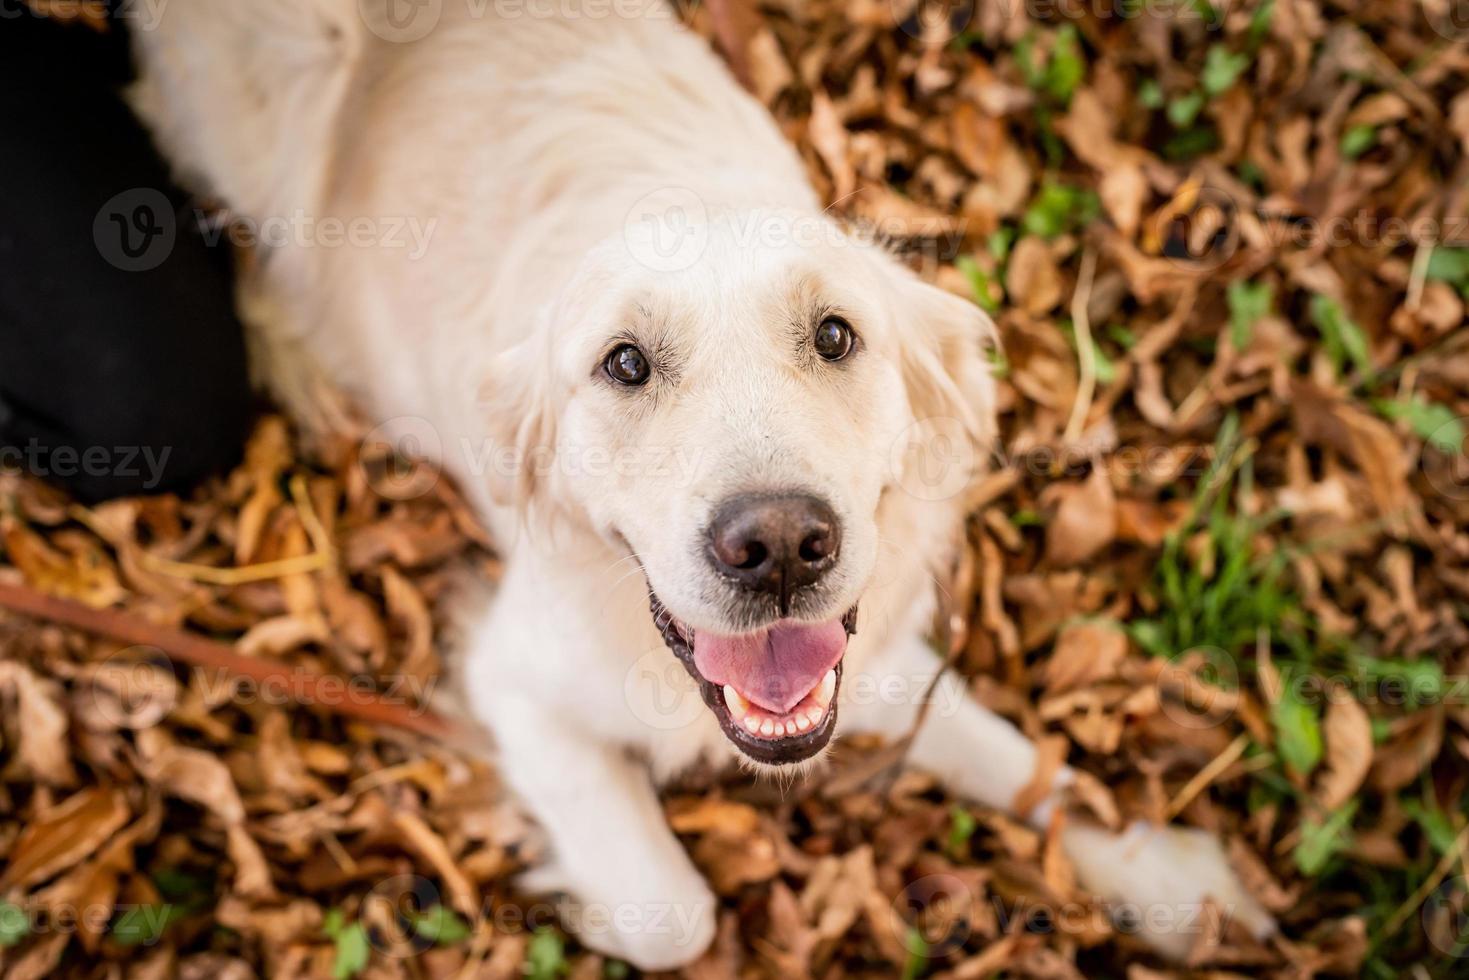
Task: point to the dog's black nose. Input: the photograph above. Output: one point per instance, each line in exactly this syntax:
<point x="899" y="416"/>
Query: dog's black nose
<point x="774" y="544"/>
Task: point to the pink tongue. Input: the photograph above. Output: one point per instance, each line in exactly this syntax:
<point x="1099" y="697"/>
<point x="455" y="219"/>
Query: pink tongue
<point x="774" y="668"/>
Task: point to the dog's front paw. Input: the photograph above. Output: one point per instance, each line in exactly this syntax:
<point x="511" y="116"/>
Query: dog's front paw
<point x="662" y="922"/>
<point x="1161" y="878"/>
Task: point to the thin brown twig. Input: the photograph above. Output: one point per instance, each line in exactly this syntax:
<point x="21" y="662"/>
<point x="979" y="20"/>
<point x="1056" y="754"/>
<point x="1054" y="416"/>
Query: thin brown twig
<point x="199" y="652"/>
<point x="1407" y="909"/>
<point x="1086" y="352"/>
<point x="905" y="745"/>
<point x="1207" y="775"/>
<point x="1418" y="276"/>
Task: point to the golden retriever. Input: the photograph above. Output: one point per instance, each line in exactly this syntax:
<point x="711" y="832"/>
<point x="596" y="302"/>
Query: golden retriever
<point x="720" y="441"/>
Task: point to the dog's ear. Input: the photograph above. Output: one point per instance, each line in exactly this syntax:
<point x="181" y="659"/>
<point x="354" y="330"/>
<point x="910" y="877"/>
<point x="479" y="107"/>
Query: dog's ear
<point x="946" y="363"/>
<point x="516" y="402"/>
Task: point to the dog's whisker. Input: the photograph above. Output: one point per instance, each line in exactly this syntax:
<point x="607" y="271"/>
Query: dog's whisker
<point x="611" y="590"/>
<point x="630" y="556"/>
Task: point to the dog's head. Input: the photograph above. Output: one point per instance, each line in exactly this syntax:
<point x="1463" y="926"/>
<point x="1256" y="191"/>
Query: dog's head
<point x="738" y="425"/>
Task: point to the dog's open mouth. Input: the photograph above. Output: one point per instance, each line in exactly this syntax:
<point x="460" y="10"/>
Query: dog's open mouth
<point x="774" y="691"/>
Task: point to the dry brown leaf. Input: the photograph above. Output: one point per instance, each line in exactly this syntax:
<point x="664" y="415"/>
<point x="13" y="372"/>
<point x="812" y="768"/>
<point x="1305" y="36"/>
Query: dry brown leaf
<point x="1365" y="439"/>
<point x="1411" y="745"/>
<point x="1032" y="279"/>
<point x="1085" y="519"/>
<point x="769" y="71"/>
<point x="1124" y="190"/>
<point x="267" y="455"/>
<point x="252" y="870"/>
<point x="422" y="839"/>
<point x="159" y="964"/>
<point x="713" y="815"/>
<point x="837" y="891"/>
<point x="410" y="614"/>
<point x="733" y="861"/>
<point x="1348" y="733"/>
<point x="829" y="137"/>
<point x="39" y="962"/>
<point x="85" y="575"/>
<point x="1147" y="522"/>
<point x="40" y="725"/>
<point x="1050" y="754"/>
<point x="790" y="941"/>
<point x="202" y="778"/>
<point x="65" y="834"/>
<point x="282" y="634"/>
<point x="1084" y="654"/>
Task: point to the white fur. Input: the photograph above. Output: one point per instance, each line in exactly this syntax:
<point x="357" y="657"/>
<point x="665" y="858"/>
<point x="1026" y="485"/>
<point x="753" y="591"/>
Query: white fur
<point x="525" y="149"/>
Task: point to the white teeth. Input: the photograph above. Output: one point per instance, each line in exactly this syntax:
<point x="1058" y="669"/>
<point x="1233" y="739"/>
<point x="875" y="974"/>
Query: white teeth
<point x="827" y="688"/>
<point x="800" y="720"/>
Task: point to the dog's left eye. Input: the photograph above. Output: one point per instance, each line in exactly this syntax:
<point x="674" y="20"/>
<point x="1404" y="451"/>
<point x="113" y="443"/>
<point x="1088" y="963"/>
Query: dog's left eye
<point x="834" y="339"/>
<point x="628" y="366"/>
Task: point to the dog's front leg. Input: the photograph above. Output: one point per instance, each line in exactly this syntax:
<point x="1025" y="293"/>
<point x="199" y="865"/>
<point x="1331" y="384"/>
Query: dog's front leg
<point x="1157" y="877"/>
<point x="633" y="893"/>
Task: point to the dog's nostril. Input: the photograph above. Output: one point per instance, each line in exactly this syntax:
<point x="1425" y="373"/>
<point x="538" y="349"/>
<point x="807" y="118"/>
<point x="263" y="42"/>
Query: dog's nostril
<point x="755" y="555"/>
<point x="816" y="546"/>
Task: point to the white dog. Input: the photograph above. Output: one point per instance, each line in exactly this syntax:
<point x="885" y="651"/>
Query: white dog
<point x="582" y="268"/>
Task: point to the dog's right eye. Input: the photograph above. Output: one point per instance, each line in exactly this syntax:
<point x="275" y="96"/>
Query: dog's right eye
<point x="628" y="366"/>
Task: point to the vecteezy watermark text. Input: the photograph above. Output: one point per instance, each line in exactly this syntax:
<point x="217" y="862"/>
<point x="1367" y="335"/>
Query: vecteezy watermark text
<point x="937" y="913"/>
<point x="669" y="229"/>
<point x="304" y="230"/>
<point x="136" y="688"/>
<point x="136" y="230"/>
<point x="69" y="462"/>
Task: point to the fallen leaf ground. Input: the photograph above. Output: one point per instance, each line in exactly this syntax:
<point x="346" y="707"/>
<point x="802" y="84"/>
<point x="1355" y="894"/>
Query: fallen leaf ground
<point x="1220" y="565"/>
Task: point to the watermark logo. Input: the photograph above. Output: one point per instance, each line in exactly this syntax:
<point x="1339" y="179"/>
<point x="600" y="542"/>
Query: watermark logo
<point x="401" y="21"/>
<point x="667" y="230"/>
<point x="934" y="458"/>
<point x="1200" y="231"/>
<point x="395" y="458"/>
<point x="1445" y="917"/>
<point x="661" y="693"/>
<point x="400" y="910"/>
<point x="933" y="914"/>
<point x="1200" y="688"/>
<point x="134" y="688"/>
<point x="934" y="22"/>
<point x="136" y="229"/>
<point x="1448" y="18"/>
<point x="1447" y="471"/>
